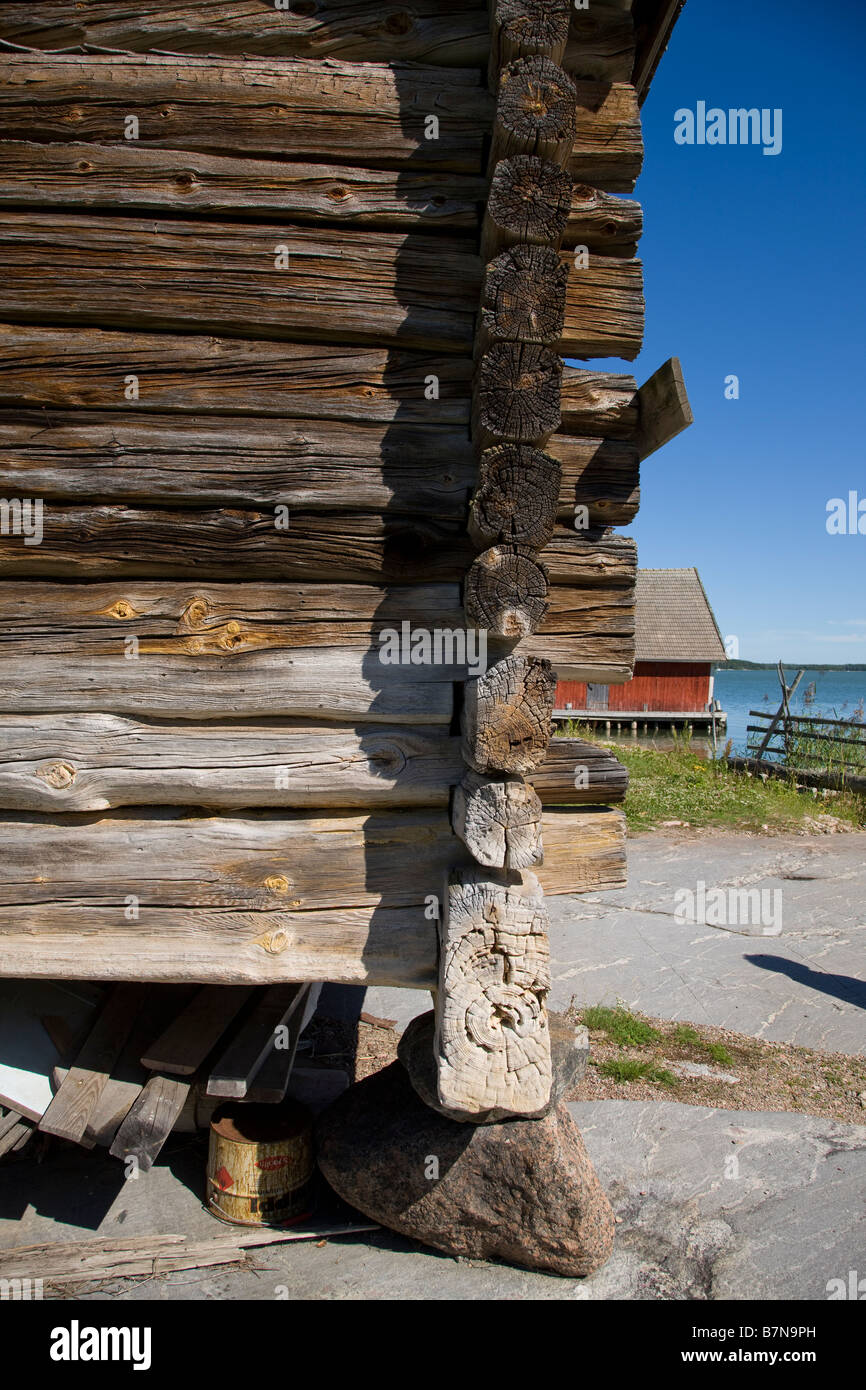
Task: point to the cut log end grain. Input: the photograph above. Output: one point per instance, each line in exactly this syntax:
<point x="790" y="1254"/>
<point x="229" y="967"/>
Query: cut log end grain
<point x="523" y="297"/>
<point x="528" y="28"/>
<point x="506" y="592"/>
<point x="506" y="719"/>
<point x="516" y="498"/>
<point x="535" y="112"/>
<point x="492" y="1040"/>
<point x="530" y="201"/>
<point x="499" y="821"/>
<point x="517" y="391"/>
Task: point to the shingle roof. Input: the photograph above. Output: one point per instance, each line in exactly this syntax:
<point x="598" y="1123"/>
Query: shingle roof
<point x="674" y="621"/>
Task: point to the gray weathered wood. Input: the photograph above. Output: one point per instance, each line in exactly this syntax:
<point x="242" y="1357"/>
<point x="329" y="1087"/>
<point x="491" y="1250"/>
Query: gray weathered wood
<point x="89" y="368"/>
<point x="234" y="1071"/>
<point x="150" y="1120"/>
<point x="78" y="1096"/>
<point x="498" y="820"/>
<point x="125" y="543"/>
<point x="93" y="176"/>
<point x="664" y="408"/>
<point x="449" y="32"/>
<point x="93" y="762"/>
<point x="353" y="113"/>
<point x="506" y="590"/>
<point x="506" y="713"/>
<point x="491" y="1037"/>
<point x="186" y="1042"/>
<point x="535" y="112"/>
<point x="584" y="851"/>
<point x="173" y="460"/>
<point x="224" y="278"/>
<point x="608" y="150"/>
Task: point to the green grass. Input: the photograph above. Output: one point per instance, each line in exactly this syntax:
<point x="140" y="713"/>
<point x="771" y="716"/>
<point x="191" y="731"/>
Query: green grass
<point x="687" y="1036"/>
<point x="678" y="784"/>
<point x="622" y="1069"/>
<point x="620" y="1026"/>
<point x="719" y="1054"/>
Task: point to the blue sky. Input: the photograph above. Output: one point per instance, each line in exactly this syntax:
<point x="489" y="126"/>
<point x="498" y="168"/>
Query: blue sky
<point x="754" y="265"/>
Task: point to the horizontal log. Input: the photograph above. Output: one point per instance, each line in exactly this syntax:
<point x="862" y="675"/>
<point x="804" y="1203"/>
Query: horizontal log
<point x="598" y="403"/>
<point x="601" y="44"/>
<point x="228" y="649"/>
<point x="98" y="865"/>
<point x="127" y="176"/>
<point x="125" y="542"/>
<point x="312" y="465"/>
<point x="601" y="39"/>
<point x="450" y="32"/>
<point x="87" y="176"/>
<point x="236" y="462"/>
<point x="505" y="720"/>
<point x="89" y="368"/>
<point x="129" y="273"/>
<point x="125" y="272"/>
<point x="517" y="497"/>
<point x="94" y="762"/>
<point x="370" y="114"/>
<point x="351" y="113"/>
<point x="608" y="150"/>
<point x="604" y="308"/>
<point x="602" y="476"/>
<point x="523" y="297"/>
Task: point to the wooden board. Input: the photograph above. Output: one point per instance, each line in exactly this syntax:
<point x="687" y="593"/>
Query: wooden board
<point x="150" y="1120"/>
<point x="78" y="1096"/>
<point x="664" y="408"/>
<point x="40" y="1021"/>
<point x="186" y="1042"/>
<point x="235" y="1071"/>
<point x="234" y="944"/>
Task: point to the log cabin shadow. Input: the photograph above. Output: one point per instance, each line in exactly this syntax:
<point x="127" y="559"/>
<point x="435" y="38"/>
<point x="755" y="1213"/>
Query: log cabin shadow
<point x="429" y="470"/>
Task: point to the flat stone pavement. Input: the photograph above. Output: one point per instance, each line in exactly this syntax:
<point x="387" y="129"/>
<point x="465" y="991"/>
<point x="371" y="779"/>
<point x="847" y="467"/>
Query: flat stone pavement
<point x="711" y="1205"/>
<point x="806" y="985"/>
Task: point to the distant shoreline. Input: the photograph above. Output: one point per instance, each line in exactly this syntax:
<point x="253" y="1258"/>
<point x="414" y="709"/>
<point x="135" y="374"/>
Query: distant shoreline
<point x="771" y="666"/>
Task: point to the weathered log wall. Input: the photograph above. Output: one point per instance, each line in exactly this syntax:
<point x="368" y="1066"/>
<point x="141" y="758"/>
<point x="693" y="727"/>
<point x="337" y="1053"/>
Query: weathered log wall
<point x="239" y="369"/>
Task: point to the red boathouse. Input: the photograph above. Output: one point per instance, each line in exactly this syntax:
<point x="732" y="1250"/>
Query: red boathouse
<point x="677" y="642"/>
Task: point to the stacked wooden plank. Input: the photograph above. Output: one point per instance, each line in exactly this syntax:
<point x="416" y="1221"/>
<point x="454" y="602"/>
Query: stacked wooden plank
<point x="239" y="331"/>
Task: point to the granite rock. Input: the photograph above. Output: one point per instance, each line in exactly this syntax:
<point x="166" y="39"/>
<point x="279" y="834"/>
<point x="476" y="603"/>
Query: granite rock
<point x="522" y="1191"/>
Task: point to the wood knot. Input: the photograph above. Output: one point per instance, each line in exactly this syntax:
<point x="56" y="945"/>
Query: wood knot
<point x="274" y="942"/>
<point x="57" y="774"/>
<point x="399" y="23"/>
<point x="122" y="610"/>
<point x="195" y="612"/>
<point x="185" y="180"/>
<point x="84" y="166"/>
<point x="277" y="884"/>
<point x="338" y="193"/>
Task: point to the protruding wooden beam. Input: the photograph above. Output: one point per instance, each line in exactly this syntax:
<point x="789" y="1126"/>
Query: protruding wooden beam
<point x="664" y="408"/>
<point x="499" y="821"/>
<point x="492" y="1042"/>
<point x="535" y="112"/>
<point x="506" y="591"/>
<point x="516" y="395"/>
<point x="523" y="297"/>
<point x="506" y="716"/>
<point x="516" y="498"/>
